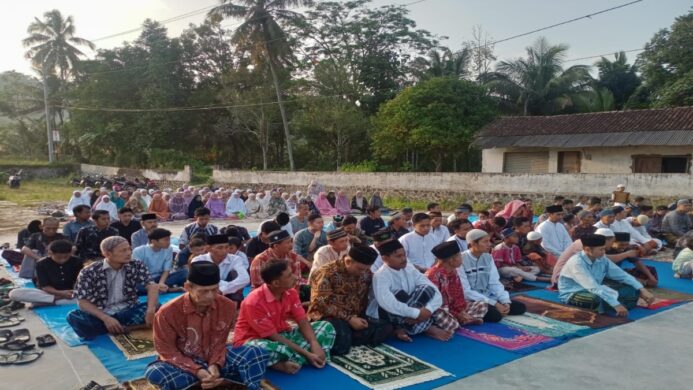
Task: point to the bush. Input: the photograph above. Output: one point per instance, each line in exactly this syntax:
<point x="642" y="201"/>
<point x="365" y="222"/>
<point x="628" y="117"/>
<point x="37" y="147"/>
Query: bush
<point x="364" y="166"/>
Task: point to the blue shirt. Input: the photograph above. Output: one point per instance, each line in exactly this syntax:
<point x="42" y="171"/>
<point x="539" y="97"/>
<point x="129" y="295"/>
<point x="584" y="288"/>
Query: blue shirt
<point x="71" y="229"/>
<point x="157" y="262"/>
<point x="139" y="238"/>
<point x="303" y="239"/>
<point x="582" y="274"/>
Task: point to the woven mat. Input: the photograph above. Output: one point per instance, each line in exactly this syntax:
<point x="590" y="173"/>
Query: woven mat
<point x="136" y="344"/>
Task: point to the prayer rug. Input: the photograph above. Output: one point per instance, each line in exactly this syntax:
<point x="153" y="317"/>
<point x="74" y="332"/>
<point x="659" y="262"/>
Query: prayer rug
<point x="143" y="384"/>
<point x="658" y="303"/>
<point x="663" y="293"/>
<point x="545" y="326"/>
<point x="135" y="344"/>
<point x="516" y="287"/>
<point x="383" y="367"/>
<point x="138" y="384"/>
<point x="510" y="339"/>
<point x="570" y="314"/>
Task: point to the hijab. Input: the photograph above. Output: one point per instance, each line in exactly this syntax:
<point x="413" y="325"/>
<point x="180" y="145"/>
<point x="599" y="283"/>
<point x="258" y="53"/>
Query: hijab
<point x="252" y="205"/>
<point x="195" y="204"/>
<point x="376" y="200"/>
<point x="216" y="205"/>
<point x="342" y="203"/>
<point x="187" y="197"/>
<point x="235" y="204"/>
<point x="511" y="208"/>
<point x="104" y="203"/>
<point x="324" y="205"/>
<point x="177" y="204"/>
<point x="331" y="198"/>
<point x="76" y="200"/>
<point x="159" y="206"/>
<point x="135" y="204"/>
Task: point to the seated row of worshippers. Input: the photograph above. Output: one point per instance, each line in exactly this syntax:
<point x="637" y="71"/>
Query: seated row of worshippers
<point x="222" y="203"/>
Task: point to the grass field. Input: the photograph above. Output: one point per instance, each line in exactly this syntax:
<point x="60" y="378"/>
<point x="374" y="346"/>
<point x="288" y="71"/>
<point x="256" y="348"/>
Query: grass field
<point x="33" y="193"/>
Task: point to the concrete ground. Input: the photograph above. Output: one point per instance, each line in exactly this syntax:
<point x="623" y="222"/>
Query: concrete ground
<point x="652" y="353"/>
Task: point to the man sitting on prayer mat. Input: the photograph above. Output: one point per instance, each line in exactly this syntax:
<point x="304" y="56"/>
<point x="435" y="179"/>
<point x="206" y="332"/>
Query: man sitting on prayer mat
<point x="555" y="236"/>
<point x="406" y="298"/>
<point x="591" y="281"/>
<point x="677" y="223"/>
<point x="141" y="237"/>
<point x="281" y="246"/>
<point x="339" y="294"/>
<point x="444" y="275"/>
<point x="82" y="219"/>
<point x="126" y="225"/>
<point x="262" y="322"/>
<point x="481" y="281"/>
<point x="234" y="275"/>
<point x="107" y="293"/>
<point x="336" y="248"/>
<point x="56" y="275"/>
<point x="646" y="275"/>
<point x="418" y="244"/>
<point x="158" y="257"/>
<point x="190" y="335"/>
<point x="307" y="241"/>
<point x="88" y="241"/>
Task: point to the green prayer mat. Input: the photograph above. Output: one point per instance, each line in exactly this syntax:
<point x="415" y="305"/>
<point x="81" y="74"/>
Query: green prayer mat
<point x="383" y="367"/>
<point x="135" y="344"/>
<point x="663" y="293"/>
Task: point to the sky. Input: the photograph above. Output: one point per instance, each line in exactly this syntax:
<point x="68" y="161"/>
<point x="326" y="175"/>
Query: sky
<point x="623" y="29"/>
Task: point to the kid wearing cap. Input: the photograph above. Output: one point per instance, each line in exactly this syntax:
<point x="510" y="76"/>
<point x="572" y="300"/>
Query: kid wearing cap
<point x="508" y="257"/>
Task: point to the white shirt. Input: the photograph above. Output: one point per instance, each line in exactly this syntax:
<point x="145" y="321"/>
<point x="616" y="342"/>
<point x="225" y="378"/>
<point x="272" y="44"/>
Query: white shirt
<point x="440" y="234"/>
<point x="461" y="242"/>
<point x="418" y="249"/>
<point x="323" y="256"/>
<point x="555" y="237"/>
<point x="624" y="226"/>
<point x="230" y="263"/>
<point x="378" y="261"/>
<point x="387" y="282"/>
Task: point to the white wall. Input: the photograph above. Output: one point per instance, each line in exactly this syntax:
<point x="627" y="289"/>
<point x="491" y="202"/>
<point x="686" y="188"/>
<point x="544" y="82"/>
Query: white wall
<point x="594" y="160"/>
<point x="652" y="185"/>
<point x="182" y="176"/>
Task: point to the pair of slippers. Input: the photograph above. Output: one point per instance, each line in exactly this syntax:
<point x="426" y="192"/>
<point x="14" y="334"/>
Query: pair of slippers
<point x="20" y="357"/>
<point x="9" y="319"/>
<point x="17" y="340"/>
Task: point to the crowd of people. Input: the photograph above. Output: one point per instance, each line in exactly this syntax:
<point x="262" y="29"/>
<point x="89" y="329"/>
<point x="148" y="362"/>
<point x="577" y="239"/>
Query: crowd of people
<point x="353" y="282"/>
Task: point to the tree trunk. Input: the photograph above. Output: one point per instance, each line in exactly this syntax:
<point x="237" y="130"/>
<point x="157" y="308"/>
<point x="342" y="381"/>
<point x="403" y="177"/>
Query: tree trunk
<point x="280" y="102"/>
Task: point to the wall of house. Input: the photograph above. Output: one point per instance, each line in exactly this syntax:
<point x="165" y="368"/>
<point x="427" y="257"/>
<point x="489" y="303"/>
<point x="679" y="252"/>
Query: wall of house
<point x="481" y="187"/>
<point x="594" y="160"/>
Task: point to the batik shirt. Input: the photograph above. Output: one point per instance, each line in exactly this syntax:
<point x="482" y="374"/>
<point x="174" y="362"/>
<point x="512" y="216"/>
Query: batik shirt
<point x="92" y="282"/>
<point x="334" y="293"/>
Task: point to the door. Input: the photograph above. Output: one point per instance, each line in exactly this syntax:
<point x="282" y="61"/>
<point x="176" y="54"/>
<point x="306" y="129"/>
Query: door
<point x="569" y="162"/>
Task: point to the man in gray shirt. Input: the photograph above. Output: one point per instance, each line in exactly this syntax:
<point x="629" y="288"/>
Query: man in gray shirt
<point x="677" y="223"/>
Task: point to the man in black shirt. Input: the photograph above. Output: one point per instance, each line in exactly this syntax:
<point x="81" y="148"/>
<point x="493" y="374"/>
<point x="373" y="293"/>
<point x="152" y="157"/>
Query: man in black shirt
<point x="56" y="275"/>
<point x="372" y="223"/>
<point x="36" y="246"/>
<point x="260" y="243"/>
<point x="88" y="241"/>
<point x="126" y="224"/>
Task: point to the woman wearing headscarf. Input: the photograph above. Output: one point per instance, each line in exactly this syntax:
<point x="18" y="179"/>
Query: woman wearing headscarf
<point x="513" y="209"/>
<point x="324" y="205"/>
<point x="292" y="204"/>
<point x="75" y="200"/>
<point x="104" y="203"/>
<point x="159" y="207"/>
<point x="235" y="206"/>
<point x="187" y="198"/>
<point x="216" y="206"/>
<point x="86" y="195"/>
<point x="359" y="203"/>
<point x="331" y="198"/>
<point x="276" y="205"/>
<point x="254" y="207"/>
<point x="195" y="204"/>
<point x="146" y="197"/>
<point x="342" y="203"/>
<point x="121" y="199"/>
<point x="135" y="205"/>
<point x="314" y="189"/>
<point x="377" y="200"/>
<point x="177" y="207"/>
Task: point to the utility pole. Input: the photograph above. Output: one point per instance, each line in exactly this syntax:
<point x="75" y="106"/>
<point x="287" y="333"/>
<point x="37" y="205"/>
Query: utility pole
<point x="49" y="132"/>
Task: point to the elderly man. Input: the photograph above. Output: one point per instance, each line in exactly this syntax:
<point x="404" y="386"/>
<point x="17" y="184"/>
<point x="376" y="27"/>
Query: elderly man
<point x="107" y="293"/>
<point x="190" y="335"/>
<point x="591" y="281"/>
<point x="336" y="248"/>
<point x="141" y="237"/>
<point x="677" y="222"/>
<point x="339" y="295"/>
<point x="555" y="235"/>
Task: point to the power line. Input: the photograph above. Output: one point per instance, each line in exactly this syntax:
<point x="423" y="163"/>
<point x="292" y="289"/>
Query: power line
<point x="602" y="55"/>
<point x="588" y="16"/>
<point x="165" y="21"/>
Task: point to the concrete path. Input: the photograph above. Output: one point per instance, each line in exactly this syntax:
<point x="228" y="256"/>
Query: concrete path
<point x="651" y="353"/>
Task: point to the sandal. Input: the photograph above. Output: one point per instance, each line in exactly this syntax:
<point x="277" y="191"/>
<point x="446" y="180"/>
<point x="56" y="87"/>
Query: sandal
<point x="8" y="322"/>
<point x="26" y="357"/>
<point x="5" y="281"/>
<point x="8" y="358"/>
<point x="15" y="335"/>
<point x="92" y="386"/>
<point x="16" y="345"/>
<point x="45" y="341"/>
<point x="12" y="306"/>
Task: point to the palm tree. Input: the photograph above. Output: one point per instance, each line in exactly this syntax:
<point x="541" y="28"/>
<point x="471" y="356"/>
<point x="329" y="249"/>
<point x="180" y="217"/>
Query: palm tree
<point x="52" y="44"/>
<point x="619" y="77"/>
<point x="445" y="64"/>
<point x="52" y="51"/>
<point x="538" y="83"/>
<point x="262" y="36"/>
